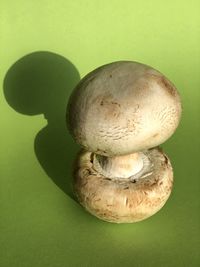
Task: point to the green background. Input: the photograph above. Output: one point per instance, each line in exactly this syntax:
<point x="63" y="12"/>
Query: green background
<point x="40" y="223"/>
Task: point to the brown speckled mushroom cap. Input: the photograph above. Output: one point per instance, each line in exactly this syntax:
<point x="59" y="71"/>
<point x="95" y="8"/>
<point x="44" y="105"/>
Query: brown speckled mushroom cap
<point x="124" y="200"/>
<point x="123" y="107"/>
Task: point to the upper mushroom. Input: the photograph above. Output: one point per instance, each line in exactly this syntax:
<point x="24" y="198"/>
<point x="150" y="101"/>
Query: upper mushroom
<point x="123" y="107"/>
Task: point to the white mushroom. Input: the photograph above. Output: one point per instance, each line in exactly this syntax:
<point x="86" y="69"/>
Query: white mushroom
<point x="117" y="113"/>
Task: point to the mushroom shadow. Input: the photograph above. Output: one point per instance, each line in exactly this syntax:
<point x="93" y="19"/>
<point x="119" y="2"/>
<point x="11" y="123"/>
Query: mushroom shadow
<point x="40" y="83"/>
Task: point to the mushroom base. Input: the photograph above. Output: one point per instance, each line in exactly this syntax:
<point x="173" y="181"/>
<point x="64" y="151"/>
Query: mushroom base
<point x="124" y="200"/>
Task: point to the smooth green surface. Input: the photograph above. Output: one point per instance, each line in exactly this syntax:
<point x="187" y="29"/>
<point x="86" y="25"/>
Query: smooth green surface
<point x="40" y="223"/>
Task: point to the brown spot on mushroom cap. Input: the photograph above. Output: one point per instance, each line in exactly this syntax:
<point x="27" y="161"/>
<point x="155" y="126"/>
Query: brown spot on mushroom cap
<point x="123" y="201"/>
<point x="108" y="106"/>
<point x="123" y="107"/>
<point x="169" y="86"/>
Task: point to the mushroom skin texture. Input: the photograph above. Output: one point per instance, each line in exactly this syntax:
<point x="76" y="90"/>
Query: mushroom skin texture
<point x="124" y="200"/>
<point x="120" y="113"/>
<point x="123" y="107"/>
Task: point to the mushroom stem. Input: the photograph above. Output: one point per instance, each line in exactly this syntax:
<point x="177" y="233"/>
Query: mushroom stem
<point x="118" y="167"/>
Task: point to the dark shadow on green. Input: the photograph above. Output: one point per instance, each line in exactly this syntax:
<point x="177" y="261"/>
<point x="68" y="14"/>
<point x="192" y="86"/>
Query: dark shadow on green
<point x="40" y="83"/>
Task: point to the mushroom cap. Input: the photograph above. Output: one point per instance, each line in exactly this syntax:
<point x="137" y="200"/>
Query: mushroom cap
<point x="124" y="200"/>
<point x="123" y="107"/>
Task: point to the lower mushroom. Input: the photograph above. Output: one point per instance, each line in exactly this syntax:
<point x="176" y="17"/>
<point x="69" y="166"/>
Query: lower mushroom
<point x="119" y="199"/>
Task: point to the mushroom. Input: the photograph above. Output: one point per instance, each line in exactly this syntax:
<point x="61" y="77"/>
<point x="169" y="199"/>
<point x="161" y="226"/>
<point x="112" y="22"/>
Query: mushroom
<point x="120" y="113"/>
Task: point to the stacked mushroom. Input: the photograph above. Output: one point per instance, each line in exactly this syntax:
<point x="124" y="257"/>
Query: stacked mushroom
<point x="119" y="113"/>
